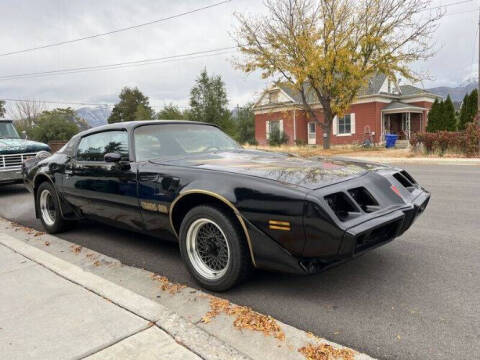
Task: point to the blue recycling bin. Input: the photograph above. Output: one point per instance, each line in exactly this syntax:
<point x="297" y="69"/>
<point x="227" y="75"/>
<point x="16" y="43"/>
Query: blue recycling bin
<point x="390" y="140"/>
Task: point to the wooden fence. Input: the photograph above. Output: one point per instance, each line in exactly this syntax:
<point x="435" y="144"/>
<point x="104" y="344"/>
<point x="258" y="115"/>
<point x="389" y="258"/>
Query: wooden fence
<point x="56" y="145"/>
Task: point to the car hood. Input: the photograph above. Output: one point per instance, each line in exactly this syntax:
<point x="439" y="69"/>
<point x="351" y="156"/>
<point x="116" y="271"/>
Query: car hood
<point x="18" y="146"/>
<point x="310" y="173"/>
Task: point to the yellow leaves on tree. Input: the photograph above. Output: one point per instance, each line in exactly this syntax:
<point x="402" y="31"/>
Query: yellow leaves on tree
<point x="327" y="50"/>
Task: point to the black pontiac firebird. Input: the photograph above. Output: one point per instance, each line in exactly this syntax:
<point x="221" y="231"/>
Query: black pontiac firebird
<point x="229" y="208"/>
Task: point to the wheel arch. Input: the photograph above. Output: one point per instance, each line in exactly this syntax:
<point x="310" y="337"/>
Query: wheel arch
<point x="191" y="198"/>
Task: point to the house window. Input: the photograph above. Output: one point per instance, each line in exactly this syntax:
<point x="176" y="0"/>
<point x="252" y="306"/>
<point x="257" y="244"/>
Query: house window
<point x="345" y="125"/>
<point x="274" y="125"/>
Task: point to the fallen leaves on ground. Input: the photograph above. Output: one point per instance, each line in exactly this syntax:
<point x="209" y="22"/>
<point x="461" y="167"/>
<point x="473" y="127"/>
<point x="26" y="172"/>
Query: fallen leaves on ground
<point x="166" y="285"/>
<point x="326" y="352"/>
<point x="76" y="249"/>
<point x="245" y="318"/>
<point x="28" y="230"/>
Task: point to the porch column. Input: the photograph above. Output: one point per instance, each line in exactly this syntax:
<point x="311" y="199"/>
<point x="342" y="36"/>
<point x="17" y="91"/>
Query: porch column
<point x="409" y="116"/>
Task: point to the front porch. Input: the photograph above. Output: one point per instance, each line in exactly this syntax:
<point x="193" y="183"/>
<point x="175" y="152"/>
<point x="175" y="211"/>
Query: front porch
<point x="402" y="119"/>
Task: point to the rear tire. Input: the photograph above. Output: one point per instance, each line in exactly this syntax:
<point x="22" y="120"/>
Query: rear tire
<point x="49" y="209"/>
<point x="213" y="248"/>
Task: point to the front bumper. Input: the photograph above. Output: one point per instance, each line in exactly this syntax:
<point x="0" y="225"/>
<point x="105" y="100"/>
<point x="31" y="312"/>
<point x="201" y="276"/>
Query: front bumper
<point x="13" y="175"/>
<point x="371" y="234"/>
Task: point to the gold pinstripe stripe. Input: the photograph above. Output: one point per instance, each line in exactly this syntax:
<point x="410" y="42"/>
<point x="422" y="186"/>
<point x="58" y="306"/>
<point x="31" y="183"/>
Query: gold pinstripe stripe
<point x="281" y="223"/>
<point x="274" y="227"/>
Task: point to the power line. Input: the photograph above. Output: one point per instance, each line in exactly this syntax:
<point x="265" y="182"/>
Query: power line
<point x="143" y="62"/>
<point x="83" y="103"/>
<point x="471" y="11"/>
<point x="56" y="102"/>
<point x="120" y="65"/>
<point x="133" y="27"/>
<point x="450" y="4"/>
<point x="114" y="31"/>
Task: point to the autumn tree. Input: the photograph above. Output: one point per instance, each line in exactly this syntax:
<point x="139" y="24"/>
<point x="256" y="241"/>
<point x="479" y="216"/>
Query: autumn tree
<point x="330" y="48"/>
<point x="26" y="114"/>
<point x="133" y="105"/>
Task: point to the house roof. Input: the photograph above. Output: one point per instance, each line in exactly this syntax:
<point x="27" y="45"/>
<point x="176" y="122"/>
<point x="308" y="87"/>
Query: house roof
<point x="398" y="106"/>
<point x="371" y="88"/>
<point x="374" y="87"/>
<point x="411" y="90"/>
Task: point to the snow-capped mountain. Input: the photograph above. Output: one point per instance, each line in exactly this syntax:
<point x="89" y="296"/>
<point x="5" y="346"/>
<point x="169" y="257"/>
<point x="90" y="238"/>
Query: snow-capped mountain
<point x="94" y="116"/>
<point x="456" y="93"/>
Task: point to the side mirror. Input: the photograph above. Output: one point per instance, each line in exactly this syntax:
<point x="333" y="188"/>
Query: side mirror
<point x="24" y="135"/>
<point x="112" y="157"/>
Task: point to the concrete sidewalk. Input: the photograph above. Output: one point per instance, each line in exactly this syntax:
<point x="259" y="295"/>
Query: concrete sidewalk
<point x="59" y="300"/>
<point x="45" y="315"/>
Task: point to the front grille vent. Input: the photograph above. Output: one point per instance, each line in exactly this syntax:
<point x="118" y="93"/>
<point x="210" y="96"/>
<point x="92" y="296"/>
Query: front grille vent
<point x="341" y="206"/>
<point x="379" y="235"/>
<point x="14" y="161"/>
<point x="364" y="199"/>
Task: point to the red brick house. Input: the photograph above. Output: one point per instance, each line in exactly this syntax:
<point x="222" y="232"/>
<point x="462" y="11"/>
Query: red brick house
<point x="381" y="107"/>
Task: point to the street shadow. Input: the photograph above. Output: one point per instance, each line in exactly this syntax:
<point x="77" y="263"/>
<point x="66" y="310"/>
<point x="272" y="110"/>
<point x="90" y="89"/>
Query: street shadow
<point x="12" y="189"/>
<point x="161" y="256"/>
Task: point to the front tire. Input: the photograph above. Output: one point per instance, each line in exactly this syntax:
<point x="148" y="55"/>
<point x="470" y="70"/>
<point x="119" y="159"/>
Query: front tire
<point x="49" y="209"/>
<point x="213" y="248"/>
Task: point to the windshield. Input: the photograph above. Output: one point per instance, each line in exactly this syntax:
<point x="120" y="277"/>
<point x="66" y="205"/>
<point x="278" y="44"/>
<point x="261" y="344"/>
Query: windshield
<point x="7" y="130"/>
<point x="169" y="140"/>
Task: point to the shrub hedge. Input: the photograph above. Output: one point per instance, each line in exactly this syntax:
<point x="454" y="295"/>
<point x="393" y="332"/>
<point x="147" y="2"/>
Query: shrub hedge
<point x="461" y="142"/>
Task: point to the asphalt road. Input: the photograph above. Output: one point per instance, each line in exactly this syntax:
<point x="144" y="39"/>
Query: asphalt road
<point x="415" y="298"/>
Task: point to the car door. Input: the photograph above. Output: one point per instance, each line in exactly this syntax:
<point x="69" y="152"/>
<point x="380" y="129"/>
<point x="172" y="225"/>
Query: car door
<point x="104" y="190"/>
<point x="157" y="186"/>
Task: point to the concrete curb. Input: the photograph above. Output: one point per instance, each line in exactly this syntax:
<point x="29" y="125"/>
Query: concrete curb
<point x="191" y="336"/>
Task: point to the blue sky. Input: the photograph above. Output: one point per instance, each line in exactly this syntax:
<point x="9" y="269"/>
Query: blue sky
<point x="36" y="22"/>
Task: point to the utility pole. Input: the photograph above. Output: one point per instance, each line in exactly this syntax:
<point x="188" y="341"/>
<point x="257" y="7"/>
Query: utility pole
<point x="478" y="85"/>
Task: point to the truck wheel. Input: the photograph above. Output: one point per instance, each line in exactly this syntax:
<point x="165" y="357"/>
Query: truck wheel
<point x="213" y="248"/>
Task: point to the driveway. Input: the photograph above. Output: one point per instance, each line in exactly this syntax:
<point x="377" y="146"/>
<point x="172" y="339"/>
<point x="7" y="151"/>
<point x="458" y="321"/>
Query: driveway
<point x="415" y="298"/>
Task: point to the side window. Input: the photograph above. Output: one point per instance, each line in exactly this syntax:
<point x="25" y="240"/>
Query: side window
<point x="94" y="147"/>
<point x="69" y="147"/>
